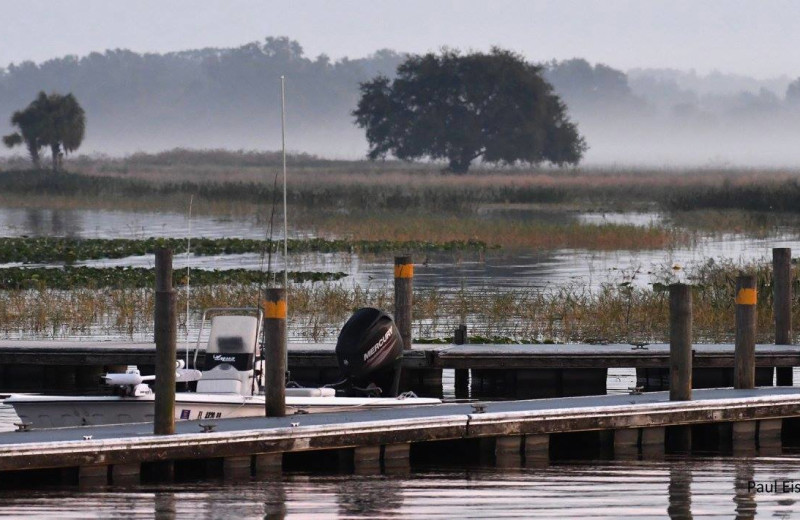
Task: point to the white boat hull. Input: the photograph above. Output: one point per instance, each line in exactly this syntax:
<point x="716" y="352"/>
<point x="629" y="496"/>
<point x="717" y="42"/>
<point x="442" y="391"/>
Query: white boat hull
<point x="65" y="411"/>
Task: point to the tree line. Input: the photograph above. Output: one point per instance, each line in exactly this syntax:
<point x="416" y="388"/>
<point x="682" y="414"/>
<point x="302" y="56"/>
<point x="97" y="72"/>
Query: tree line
<point x="229" y="98"/>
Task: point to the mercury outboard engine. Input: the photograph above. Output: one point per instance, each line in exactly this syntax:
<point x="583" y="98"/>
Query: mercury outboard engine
<point x="370" y="351"/>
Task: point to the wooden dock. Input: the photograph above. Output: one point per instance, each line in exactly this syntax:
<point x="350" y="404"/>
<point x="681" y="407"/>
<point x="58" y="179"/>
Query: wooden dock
<point x="509" y="432"/>
<point x="482" y="370"/>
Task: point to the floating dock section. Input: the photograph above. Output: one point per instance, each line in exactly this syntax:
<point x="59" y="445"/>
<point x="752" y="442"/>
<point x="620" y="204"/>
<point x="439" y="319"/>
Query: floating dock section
<point x="482" y="371"/>
<point x="511" y="432"/>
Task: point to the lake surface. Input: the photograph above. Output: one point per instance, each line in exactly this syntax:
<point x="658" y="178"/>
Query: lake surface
<point x="495" y="269"/>
<point x="707" y="487"/>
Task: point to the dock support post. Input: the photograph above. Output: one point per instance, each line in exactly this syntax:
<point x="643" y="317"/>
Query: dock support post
<point x="122" y="474"/>
<point x="744" y="436"/>
<point x="769" y="434"/>
<point x="626" y="443"/>
<point x="236" y="467"/>
<point x="93" y="475"/>
<point x="396" y="457"/>
<point x="403" y="297"/>
<point x="461" y="374"/>
<point x="268" y="464"/>
<point x="508" y="450"/>
<point x="537" y="448"/>
<point x="166" y="330"/>
<point x="367" y="459"/>
<point x="680" y="342"/>
<point x="653" y="440"/>
<point x="744" y="361"/>
<point x="782" y="305"/>
<point x="275" y="352"/>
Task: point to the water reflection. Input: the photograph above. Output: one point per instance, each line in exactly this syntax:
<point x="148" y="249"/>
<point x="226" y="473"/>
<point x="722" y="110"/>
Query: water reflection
<point x="684" y="487"/>
<point x="368" y="496"/>
<point x="745" y="496"/>
<point x="165" y="505"/>
<point x="44" y="222"/>
<point x="680" y="492"/>
<point x="276" y="499"/>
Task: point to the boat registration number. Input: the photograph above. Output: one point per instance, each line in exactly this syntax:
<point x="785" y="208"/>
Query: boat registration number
<point x="187" y="414"/>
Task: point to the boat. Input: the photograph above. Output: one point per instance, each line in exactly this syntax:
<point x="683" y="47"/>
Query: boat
<point x="228" y="384"/>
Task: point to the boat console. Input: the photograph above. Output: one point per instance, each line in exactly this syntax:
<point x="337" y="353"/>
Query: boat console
<point x="230" y="356"/>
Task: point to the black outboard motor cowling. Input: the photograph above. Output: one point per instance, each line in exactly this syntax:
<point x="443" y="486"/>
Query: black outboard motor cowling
<point x="370" y="349"/>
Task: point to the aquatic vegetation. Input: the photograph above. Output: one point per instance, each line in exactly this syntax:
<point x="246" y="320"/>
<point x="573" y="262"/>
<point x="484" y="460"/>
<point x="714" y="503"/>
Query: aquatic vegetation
<point x="69" y="250"/>
<point x="617" y="312"/>
<point x="68" y="278"/>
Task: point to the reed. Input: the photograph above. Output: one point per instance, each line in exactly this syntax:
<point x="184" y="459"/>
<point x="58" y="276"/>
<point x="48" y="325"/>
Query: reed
<point x="617" y="312"/>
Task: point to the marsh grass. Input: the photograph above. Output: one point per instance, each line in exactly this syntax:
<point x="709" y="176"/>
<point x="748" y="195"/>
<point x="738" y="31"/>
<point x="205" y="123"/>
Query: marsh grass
<point x="613" y="313"/>
<point x="510" y="233"/>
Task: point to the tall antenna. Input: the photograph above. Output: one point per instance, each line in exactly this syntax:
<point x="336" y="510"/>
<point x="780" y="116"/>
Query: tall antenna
<point x="285" y="225"/>
<point x="188" y="252"/>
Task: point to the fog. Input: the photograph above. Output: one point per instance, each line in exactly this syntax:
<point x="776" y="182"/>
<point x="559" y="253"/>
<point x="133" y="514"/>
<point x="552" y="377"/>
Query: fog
<point x="229" y="97"/>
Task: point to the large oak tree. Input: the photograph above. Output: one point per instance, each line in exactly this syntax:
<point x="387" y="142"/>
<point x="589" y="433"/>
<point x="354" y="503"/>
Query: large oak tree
<point x="494" y="106"/>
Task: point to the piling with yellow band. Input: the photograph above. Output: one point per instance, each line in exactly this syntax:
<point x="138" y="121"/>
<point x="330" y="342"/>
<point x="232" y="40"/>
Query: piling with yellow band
<point x="403" y="296"/>
<point x="744" y="358"/>
<point x="275" y="352"/>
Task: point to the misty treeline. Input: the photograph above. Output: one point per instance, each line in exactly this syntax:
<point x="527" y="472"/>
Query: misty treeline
<point x="230" y="98"/>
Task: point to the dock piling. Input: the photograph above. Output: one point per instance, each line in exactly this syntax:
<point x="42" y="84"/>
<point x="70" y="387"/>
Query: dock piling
<point x="275" y="352"/>
<point x="461" y="374"/>
<point x="124" y="474"/>
<point x="537" y="448"/>
<point x="403" y="297"/>
<point x="769" y="434"/>
<point x="267" y="464"/>
<point x="396" y="457"/>
<point x="626" y="443"/>
<point x="680" y="342"/>
<point x="166" y="330"/>
<point x="782" y="306"/>
<point x="744" y="358"/>
<point x="744" y="437"/>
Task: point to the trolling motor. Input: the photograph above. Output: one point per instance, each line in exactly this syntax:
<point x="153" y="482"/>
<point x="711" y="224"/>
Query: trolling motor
<point x="370" y="352"/>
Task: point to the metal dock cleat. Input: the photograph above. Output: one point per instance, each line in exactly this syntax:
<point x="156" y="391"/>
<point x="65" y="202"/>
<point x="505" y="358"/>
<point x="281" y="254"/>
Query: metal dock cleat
<point x="479" y="407"/>
<point x="635" y="390"/>
<point x="208" y="427"/>
<point x="23" y="426"/>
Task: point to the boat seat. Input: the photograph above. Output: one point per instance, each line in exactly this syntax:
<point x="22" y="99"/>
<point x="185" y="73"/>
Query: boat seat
<point x="219" y="386"/>
<point x="310" y="392"/>
<point x="223" y="379"/>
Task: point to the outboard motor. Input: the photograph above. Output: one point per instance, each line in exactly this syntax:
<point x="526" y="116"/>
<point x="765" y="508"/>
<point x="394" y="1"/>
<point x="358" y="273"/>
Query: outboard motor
<point x="370" y="351"/>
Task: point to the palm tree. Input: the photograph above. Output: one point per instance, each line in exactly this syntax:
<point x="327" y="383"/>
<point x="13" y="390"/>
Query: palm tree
<point x="50" y="120"/>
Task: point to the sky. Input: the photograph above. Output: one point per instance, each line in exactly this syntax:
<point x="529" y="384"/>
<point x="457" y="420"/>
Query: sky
<point x="759" y="38"/>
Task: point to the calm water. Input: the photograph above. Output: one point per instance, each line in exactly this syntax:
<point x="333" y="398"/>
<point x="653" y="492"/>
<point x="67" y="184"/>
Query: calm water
<point x="714" y="487"/>
<point x="444" y="270"/>
<point x="708" y="487"/>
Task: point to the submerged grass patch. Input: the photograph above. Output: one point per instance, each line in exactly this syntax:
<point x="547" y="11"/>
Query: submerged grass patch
<point x="68" y="250"/>
<point x="68" y="278"/>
